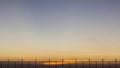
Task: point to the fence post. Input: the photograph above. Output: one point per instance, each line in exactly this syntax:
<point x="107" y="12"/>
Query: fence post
<point x="102" y="63"/>
<point x="109" y="64"/>
<point x="21" y="63"/>
<point x="115" y="63"/>
<point x="42" y="64"/>
<point x="62" y="63"/>
<point x="96" y="64"/>
<point x="56" y="65"/>
<point x="29" y="64"/>
<point x="82" y="64"/>
<point x="89" y="63"/>
<point x="1" y="64"/>
<point x="15" y="64"/>
<point x="49" y="63"/>
<point x="69" y="64"/>
<point x="75" y="63"/>
<point x="8" y="63"/>
<point x="35" y="63"/>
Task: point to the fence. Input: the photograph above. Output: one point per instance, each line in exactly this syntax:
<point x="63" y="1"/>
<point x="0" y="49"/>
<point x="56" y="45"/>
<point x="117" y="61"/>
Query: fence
<point x="61" y="64"/>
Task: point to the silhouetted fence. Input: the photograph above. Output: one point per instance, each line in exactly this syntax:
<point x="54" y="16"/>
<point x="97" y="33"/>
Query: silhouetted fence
<point x="61" y="64"/>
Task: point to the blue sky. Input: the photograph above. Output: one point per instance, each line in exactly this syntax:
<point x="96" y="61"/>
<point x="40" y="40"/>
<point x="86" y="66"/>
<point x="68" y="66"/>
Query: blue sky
<point x="65" y="28"/>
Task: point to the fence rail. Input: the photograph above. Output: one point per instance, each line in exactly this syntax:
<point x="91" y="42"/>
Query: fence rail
<point x="61" y="64"/>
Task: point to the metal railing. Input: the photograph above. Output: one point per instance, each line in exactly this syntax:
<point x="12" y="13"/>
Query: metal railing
<point x="60" y="64"/>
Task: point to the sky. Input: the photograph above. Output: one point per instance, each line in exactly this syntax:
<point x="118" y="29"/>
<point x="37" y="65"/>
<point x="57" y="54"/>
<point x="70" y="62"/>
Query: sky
<point x="60" y="28"/>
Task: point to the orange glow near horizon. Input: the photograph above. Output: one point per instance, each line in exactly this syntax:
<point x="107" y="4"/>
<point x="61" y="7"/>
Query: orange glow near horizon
<point x="58" y="62"/>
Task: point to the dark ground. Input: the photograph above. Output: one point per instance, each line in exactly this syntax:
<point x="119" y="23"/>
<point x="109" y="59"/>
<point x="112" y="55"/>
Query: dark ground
<point x="13" y="64"/>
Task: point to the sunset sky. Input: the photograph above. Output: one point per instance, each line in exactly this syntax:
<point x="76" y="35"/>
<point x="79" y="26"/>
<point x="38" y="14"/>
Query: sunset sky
<point x="59" y="28"/>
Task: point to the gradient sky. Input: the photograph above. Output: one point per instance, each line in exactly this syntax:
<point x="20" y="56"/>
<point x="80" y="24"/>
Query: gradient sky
<point x="59" y="28"/>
